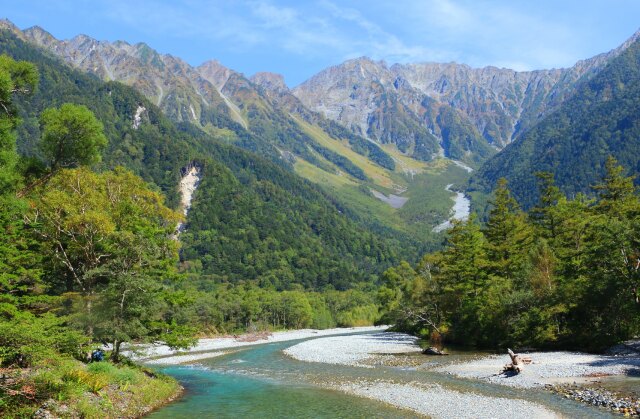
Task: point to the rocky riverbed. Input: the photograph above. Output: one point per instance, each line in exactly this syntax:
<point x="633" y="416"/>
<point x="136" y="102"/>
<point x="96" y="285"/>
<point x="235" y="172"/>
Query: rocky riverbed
<point x="438" y="402"/>
<point x="569" y="374"/>
<point x="599" y="397"/>
<point x="546" y="368"/>
<point x="368" y="351"/>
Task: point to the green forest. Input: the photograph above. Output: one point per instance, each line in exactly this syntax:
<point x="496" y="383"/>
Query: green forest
<point x="87" y="254"/>
<point x="564" y="275"/>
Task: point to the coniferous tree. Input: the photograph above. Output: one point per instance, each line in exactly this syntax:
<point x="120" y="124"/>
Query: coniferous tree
<point x="508" y="235"/>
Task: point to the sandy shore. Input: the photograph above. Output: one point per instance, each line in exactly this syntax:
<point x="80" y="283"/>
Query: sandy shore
<point x="547" y="368"/>
<point x="210" y="348"/>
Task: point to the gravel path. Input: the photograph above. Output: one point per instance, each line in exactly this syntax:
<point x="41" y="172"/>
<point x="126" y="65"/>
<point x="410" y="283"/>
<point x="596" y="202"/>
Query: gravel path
<point x="438" y="402"/>
<point x="213" y="347"/>
<point x="547" y="368"/>
<point x="352" y="350"/>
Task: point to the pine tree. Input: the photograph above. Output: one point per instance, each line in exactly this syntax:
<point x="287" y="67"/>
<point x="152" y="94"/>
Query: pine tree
<point x="543" y="215"/>
<point x="509" y="236"/>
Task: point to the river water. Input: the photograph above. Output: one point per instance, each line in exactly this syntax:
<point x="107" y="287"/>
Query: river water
<point x="461" y="210"/>
<point x="261" y="381"/>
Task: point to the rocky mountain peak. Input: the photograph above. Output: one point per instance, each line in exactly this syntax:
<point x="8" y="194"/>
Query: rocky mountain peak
<point x="8" y="25"/>
<point x="81" y="42"/>
<point x="39" y="34"/>
<point x="215" y="73"/>
<point x="270" y="81"/>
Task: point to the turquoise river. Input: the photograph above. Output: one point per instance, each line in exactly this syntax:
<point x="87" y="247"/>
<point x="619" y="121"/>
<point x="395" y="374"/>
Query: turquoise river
<point x="262" y="382"/>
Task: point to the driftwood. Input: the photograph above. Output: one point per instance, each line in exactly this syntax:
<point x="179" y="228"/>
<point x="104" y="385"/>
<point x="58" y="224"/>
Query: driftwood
<point x="517" y="363"/>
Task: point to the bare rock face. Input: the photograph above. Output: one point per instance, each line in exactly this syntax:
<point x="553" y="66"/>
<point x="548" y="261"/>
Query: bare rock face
<point x="215" y="73"/>
<point x="179" y="90"/>
<point x="270" y="81"/>
<point x="379" y="103"/>
<point x="497" y="103"/>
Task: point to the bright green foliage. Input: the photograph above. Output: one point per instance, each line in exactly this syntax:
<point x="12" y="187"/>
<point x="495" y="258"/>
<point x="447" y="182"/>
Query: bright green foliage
<point x="395" y="282"/>
<point x="567" y="276"/>
<point x="226" y="308"/>
<point x="27" y="339"/>
<point x="17" y="278"/>
<point x="107" y="236"/>
<point x="71" y="136"/>
<point x="87" y="219"/>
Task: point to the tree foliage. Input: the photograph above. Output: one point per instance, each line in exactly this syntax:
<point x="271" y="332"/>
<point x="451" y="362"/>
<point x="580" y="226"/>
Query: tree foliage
<point x="71" y="136"/>
<point x="566" y="276"/>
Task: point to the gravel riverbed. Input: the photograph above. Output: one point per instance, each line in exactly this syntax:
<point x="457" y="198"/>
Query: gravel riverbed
<point x="438" y="402"/>
<point x="432" y="400"/>
<point x="547" y="368"/>
<point x="551" y="370"/>
<point x="210" y="348"/>
<point x="352" y="350"/>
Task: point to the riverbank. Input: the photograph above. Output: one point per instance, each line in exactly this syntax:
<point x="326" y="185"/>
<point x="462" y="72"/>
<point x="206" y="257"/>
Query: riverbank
<point x="438" y="402"/>
<point x="400" y="350"/>
<point x="214" y="347"/>
<point x="69" y="388"/>
<point x="353" y="350"/>
<point x="546" y="368"/>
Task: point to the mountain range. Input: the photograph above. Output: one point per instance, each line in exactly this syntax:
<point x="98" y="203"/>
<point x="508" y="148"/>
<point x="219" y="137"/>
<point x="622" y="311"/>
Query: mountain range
<point x="359" y="129"/>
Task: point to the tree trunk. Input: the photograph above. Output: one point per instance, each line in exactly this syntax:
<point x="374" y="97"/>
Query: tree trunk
<point x="115" y="354"/>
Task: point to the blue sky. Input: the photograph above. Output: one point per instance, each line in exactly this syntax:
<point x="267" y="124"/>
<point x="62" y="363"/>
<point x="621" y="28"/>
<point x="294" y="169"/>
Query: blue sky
<point x="299" y="38"/>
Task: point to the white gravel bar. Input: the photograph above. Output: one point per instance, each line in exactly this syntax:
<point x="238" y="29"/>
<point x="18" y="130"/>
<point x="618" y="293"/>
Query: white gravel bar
<point x="210" y="348"/>
<point x="183" y="359"/>
<point x="437" y="402"/>
<point x="352" y="350"/>
<point x="547" y="368"/>
<point x="427" y="399"/>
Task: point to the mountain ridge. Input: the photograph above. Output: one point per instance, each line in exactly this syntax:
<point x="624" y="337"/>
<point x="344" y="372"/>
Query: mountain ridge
<point x="599" y="120"/>
<point x="426" y="109"/>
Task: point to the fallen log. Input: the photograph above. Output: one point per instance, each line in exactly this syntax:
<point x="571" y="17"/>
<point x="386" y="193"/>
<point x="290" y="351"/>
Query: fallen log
<point x="517" y="363"/>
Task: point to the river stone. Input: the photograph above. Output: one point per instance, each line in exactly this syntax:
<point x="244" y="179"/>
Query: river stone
<point x="630" y="347"/>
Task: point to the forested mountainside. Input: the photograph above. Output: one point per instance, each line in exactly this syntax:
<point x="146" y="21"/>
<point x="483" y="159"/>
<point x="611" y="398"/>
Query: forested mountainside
<point x="563" y="275"/>
<point x="600" y="119"/>
<point x="248" y="211"/>
<point x="211" y="96"/>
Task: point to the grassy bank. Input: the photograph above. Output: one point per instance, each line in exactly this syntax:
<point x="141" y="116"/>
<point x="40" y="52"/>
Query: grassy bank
<point x="71" y="389"/>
